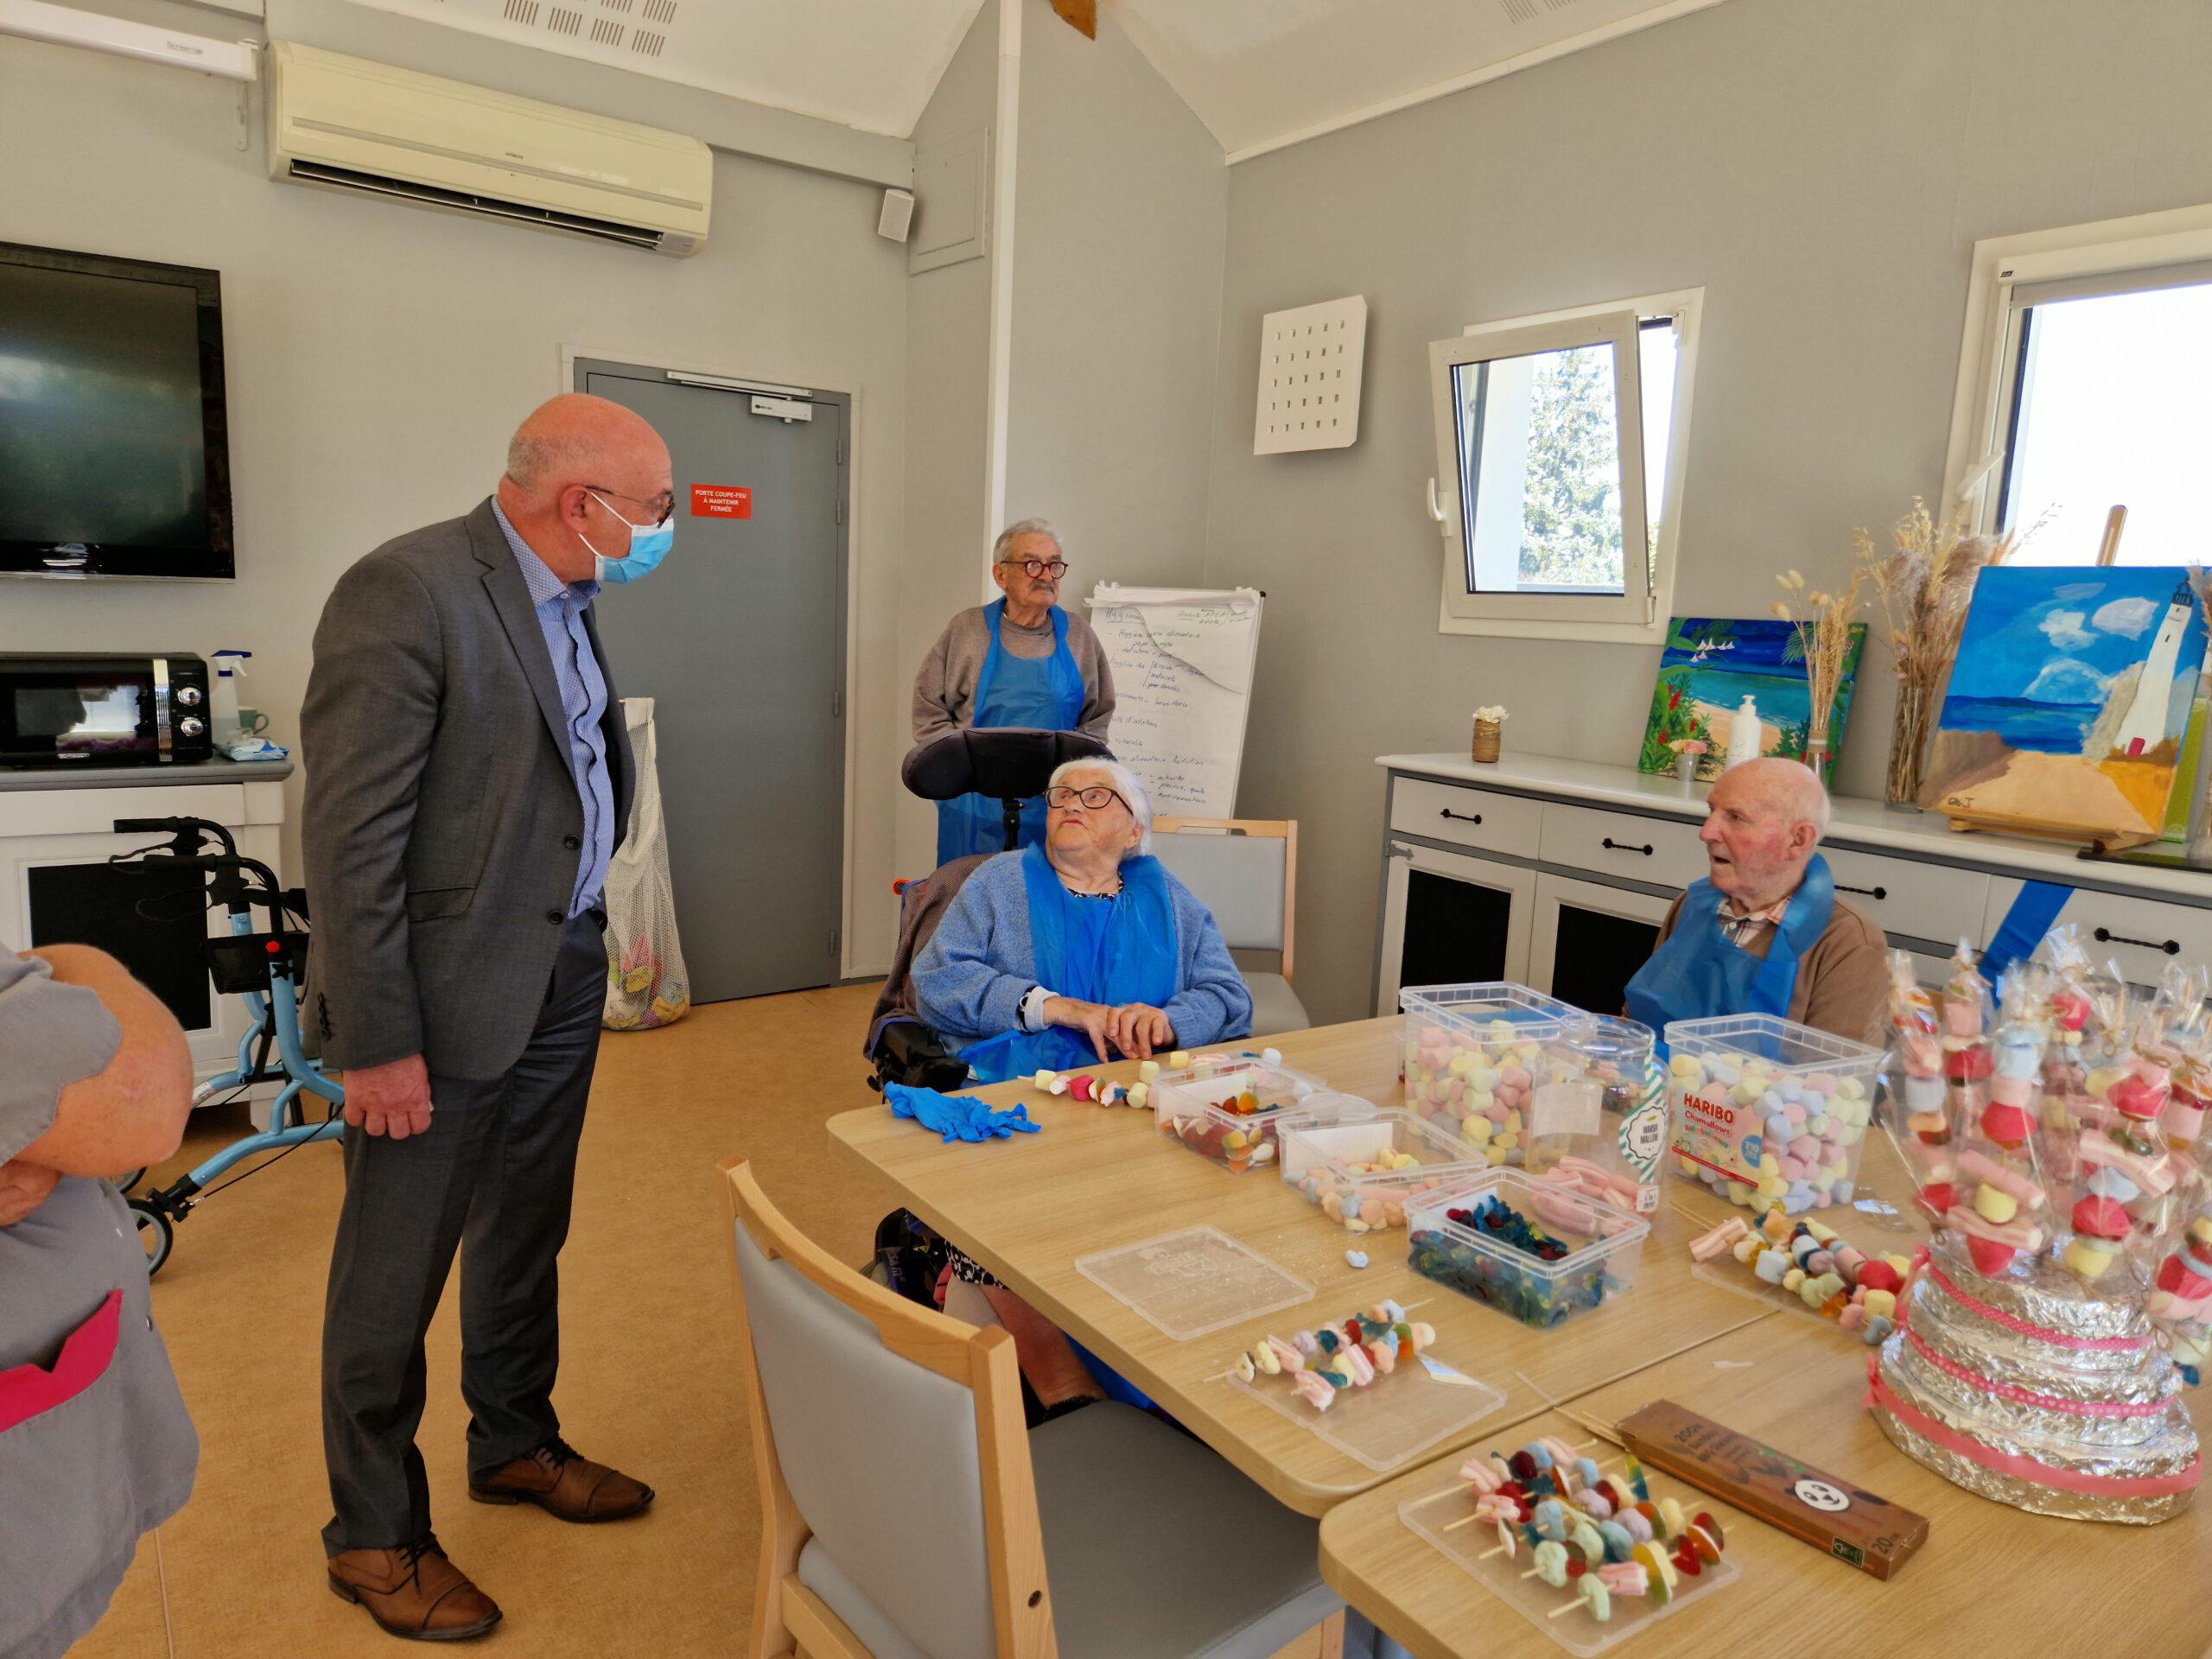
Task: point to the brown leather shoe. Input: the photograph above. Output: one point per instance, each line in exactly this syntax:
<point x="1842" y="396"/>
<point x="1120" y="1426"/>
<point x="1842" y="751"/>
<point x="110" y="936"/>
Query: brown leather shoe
<point x="413" y="1591"/>
<point x="557" y="1479"/>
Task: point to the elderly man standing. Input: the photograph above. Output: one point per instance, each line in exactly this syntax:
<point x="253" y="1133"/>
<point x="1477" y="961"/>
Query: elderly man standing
<point x="1019" y="661"/>
<point x="1764" y="932"/>
<point x="468" y="779"/>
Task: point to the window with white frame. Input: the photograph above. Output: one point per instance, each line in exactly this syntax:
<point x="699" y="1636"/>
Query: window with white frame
<point x="2086" y="385"/>
<point x="1560" y="443"/>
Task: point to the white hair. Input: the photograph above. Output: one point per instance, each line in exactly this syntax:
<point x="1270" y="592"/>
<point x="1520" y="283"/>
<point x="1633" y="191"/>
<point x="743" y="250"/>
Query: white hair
<point x="1125" y="784"/>
<point x="1026" y="527"/>
<point x="1798" y="786"/>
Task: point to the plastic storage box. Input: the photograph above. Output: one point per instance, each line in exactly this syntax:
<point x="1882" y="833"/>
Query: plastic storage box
<point x="1605" y="1132"/>
<point x="1600" y="1246"/>
<point x="1770" y="1112"/>
<point x="1225" y="1107"/>
<point x="1477" y="1057"/>
<point x="1363" y="1172"/>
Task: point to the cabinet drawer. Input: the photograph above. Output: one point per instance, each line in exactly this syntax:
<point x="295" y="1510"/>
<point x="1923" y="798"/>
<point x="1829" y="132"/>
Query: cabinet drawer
<point x="1472" y="818"/>
<point x="2135" y="932"/>
<point x="1665" y="852"/>
<point x="1922" y="901"/>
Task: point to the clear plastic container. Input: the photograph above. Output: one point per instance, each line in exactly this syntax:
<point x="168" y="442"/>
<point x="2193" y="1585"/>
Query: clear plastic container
<point x="1194" y="1281"/>
<point x="1603" y="1127"/>
<point x="1602" y="1245"/>
<point x="1769" y="1112"/>
<point x="1363" y="1172"/>
<point x="1477" y="1057"/>
<point x="1225" y="1107"/>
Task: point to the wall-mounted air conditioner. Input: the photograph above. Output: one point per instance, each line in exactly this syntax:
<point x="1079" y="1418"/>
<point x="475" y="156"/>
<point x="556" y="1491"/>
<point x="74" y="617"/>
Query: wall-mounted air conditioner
<point x="346" y="123"/>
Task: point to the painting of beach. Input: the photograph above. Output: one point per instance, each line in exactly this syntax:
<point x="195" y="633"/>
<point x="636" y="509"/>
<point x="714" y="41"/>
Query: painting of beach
<point x="2070" y="701"/>
<point x="1708" y="666"/>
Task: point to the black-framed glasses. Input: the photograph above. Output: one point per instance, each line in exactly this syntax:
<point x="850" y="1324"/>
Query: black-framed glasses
<point x="663" y="505"/>
<point x="1036" y="568"/>
<point x="1094" y="799"/>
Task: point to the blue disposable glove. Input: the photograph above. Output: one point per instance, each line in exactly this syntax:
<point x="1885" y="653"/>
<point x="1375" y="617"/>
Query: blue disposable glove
<point x="956" y="1117"/>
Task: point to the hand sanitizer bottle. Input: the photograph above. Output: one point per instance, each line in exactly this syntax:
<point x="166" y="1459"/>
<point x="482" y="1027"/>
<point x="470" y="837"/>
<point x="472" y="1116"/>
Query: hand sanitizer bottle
<point x="223" y="700"/>
<point x="1744" y="733"/>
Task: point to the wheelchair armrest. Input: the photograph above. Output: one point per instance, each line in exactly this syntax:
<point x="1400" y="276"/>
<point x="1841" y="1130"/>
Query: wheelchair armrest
<point x="908" y="1051"/>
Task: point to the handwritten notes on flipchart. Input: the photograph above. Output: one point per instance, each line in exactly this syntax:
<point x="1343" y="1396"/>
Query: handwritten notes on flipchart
<point x="1183" y="688"/>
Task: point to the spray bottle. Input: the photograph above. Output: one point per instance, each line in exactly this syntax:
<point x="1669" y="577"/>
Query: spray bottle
<point x="223" y="700"/>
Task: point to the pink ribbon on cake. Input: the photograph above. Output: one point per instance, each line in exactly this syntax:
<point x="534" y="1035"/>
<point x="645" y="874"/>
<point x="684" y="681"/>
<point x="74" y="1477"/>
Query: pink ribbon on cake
<point x="1922" y="1262"/>
<point x="2019" y="1395"/>
<point x="2027" y="1469"/>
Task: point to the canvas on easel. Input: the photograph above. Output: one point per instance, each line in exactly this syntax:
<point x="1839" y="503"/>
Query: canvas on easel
<point x="2070" y="702"/>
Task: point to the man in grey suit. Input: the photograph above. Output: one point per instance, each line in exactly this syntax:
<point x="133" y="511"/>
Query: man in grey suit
<point x="467" y="779"/>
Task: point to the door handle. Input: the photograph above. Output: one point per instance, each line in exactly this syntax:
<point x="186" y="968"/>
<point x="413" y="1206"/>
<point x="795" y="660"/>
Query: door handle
<point x="1613" y="846"/>
<point x="1463" y="817"/>
<point x="2105" y="935"/>
<point x="1872" y="892"/>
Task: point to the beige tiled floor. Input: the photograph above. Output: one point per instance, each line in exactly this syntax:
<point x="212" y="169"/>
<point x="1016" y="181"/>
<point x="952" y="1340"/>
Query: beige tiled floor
<point x="647" y="1335"/>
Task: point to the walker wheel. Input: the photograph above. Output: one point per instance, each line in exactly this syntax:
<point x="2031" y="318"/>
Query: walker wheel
<point x="156" y="1231"/>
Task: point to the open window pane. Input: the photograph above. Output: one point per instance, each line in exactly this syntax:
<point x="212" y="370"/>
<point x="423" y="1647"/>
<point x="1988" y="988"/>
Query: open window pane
<point x="2112" y="405"/>
<point x="1541" y="434"/>
<point x="1540" y="454"/>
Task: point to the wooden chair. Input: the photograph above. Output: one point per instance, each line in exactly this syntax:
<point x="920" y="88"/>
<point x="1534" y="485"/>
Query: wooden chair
<point x="905" y="1514"/>
<point x="1245" y="871"/>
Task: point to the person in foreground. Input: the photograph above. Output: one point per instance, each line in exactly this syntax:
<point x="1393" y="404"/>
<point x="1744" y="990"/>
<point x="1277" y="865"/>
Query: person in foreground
<point x="1019" y="661"/>
<point x="468" y="779"/>
<point x="1764" y="931"/>
<point x="95" y="1445"/>
<point x="1083" y="949"/>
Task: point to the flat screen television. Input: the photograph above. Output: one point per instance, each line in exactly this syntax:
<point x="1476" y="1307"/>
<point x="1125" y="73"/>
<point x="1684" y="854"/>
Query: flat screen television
<point x="114" y="453"/>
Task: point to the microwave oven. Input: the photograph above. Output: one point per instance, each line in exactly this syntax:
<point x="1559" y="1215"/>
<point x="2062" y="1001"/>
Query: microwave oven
<point x="104" y="710"/>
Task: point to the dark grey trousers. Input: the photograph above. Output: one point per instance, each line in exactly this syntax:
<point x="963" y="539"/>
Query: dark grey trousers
<point x="493" y="1177"/>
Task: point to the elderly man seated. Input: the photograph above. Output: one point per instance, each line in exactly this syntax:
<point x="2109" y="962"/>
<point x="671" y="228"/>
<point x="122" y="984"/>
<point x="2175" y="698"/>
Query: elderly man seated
<point x="1085" y="949"/>
<point x="1765" y="933"/>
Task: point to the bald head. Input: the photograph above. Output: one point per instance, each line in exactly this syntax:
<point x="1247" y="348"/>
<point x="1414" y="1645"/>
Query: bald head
<point x="1764" y="820"/>
<point x="580" y="470"/>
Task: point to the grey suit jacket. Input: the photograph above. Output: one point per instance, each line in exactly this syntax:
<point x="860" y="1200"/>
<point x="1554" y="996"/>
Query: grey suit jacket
<point x="442" y="824"/>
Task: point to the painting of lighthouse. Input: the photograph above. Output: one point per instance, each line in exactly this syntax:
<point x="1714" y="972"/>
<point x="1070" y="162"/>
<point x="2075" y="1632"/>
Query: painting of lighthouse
<point x="2069" y="701"/>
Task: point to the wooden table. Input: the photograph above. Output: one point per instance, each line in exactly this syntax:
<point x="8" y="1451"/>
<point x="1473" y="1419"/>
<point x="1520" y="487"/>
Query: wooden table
<point x="1989" y="1580"/>
<point x="1095" y="1177"/>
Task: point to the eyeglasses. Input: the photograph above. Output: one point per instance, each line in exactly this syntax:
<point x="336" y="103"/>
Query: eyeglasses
<point x="1036" y="568"/>
<point x="662" y="504"/>
<point x="1094" y="799"/>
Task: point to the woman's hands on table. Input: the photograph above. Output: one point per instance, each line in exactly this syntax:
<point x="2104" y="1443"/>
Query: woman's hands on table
<point x="1134" y="1028"/>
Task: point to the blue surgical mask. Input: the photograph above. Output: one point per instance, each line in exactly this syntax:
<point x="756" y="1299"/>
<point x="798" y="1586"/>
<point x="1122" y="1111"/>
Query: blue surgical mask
<point x="649" y="546"/>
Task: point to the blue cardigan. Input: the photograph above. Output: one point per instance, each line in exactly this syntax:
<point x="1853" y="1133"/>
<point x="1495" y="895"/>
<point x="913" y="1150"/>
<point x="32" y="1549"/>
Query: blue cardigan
<point x="970" y="977"/>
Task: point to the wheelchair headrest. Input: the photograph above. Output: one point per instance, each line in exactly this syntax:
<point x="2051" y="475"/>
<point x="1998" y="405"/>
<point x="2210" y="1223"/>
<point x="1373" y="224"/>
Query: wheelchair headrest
<point x="1008" y="763"/>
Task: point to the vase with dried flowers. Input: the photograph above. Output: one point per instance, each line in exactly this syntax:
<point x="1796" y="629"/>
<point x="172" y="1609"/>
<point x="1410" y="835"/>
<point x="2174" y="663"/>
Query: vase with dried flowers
<point x="1824" y="623"/>
<point x="1923" y="585"/>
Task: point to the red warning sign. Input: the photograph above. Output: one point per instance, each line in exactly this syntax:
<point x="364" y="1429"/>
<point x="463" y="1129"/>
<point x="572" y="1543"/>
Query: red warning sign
<point x="720" y="501"/>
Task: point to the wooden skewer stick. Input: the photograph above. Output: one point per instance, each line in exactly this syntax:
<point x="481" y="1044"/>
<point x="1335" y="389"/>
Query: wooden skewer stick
<point x="2115" y="522"/>
<point x="1569" y="1608"/>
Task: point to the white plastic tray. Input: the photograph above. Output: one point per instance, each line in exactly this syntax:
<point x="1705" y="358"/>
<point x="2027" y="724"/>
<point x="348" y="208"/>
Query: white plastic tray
<point x="1197" y="1280"/>
<point x="1395" y="1418"/>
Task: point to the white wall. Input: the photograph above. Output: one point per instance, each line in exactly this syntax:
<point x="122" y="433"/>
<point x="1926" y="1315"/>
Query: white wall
<point x="1823" y="171"/>
<point x="378" y="355"/>
<point x="948" y="353"/>
<point x="1122" y="218"/>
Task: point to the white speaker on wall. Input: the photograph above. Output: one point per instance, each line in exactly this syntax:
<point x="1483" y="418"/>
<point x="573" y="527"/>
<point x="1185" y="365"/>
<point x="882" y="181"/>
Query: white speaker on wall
<point x="898" y="214"/>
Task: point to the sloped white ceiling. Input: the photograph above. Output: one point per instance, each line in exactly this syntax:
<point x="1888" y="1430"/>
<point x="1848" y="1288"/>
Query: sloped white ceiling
<point x="1258" y="72"/>
<point x="869" y="64"/>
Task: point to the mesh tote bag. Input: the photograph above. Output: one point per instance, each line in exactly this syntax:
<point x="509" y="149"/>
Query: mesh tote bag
<point x="646" y="985"/>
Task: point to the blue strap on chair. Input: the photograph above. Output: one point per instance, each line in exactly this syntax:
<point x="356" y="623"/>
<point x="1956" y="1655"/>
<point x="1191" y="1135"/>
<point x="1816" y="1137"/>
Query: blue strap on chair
<point x="2024" y="927"/>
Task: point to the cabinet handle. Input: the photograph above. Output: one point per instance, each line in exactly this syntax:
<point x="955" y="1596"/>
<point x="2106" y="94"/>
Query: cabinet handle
<point x="1872" y="892"/>
<point x="2105" y="935"/>
<point x="1613" y="846"/>
<point x="1462" y="816"/>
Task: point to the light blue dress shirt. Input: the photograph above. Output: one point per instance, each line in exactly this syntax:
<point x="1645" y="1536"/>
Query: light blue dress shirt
<point x="561" y="606"/>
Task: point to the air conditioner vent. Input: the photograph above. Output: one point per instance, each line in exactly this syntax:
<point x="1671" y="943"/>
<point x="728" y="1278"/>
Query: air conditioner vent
<point x="604" y="33"/>
<point x="346" y="178"/>
<point x="562" y="21"/>
<point x="646" y="44"/>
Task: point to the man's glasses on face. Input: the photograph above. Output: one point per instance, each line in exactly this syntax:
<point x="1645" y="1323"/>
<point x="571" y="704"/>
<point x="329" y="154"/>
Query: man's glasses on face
<point x="1094" y="799"/>
<point x="1035" y="567"/>
<point x="660" y="506"/>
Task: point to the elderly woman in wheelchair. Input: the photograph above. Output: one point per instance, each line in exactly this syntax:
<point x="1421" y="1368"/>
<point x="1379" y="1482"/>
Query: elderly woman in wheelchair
<point x="1085" y="949"/>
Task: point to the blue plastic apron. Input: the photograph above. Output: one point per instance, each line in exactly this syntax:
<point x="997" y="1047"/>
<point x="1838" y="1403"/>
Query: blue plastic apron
<point x="1045" y="694"/>
<point x="1700" y="973"/>
<point x="1110" y="950"/>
